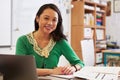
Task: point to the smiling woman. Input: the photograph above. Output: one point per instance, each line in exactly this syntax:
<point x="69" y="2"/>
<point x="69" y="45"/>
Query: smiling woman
<point x="47" y="43"/>
<point x="48" y="20"/>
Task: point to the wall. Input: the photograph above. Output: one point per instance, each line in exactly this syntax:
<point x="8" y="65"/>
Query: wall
<point x="5" y="23"/>
<point x="113" y="25"/>
<point x="24" y="12"/>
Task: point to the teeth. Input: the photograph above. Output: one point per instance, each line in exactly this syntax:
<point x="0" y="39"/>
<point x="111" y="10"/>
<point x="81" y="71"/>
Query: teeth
<point x="48" y="27"/>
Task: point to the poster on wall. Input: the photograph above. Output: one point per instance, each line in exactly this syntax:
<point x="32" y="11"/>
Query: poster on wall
<point x="116" y="6"/>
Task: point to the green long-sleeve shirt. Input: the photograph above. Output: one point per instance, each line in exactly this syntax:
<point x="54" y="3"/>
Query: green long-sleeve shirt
<point x="24" y="47"/>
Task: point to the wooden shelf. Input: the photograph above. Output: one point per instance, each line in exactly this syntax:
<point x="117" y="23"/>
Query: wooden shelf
<point x="89" y="26"/>
<point x="78" y="24"/>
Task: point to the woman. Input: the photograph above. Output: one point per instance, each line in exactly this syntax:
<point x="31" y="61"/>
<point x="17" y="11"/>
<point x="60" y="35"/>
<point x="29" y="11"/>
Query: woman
<point x="47" y="43"/>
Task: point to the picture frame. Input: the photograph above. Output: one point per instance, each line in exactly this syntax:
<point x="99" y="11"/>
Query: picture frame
<point x="113" y="60"/>
<point x="116" y="6"/>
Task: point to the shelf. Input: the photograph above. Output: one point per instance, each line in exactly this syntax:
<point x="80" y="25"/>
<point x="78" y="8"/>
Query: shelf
<point x="101" y="5"/>
<point x="86" y="14"/>
<point x="99" y="49"/>
<point x="100" y="27"/>
<point x="89" y="3"/>
<point x="89" y="26"/>
<point x="101" y="11"/>
<point x="89" y="10"/>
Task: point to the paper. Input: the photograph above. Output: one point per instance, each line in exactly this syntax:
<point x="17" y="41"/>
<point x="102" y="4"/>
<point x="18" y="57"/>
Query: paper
<point x="93" y="73"/>
<point x="88" y="52"/>
<point x="88" y="33"/>
<point x="99" y="57"/>
<point x="98" y="73"/>
<point x="100" y="34"/>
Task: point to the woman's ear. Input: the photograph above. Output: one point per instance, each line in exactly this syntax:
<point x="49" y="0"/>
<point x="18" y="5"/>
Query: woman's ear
<point x="37" y="19"/>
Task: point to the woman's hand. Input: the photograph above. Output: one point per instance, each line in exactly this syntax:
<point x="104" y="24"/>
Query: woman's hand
<point x="67" y="70"/>
<point x="57" y="70"/>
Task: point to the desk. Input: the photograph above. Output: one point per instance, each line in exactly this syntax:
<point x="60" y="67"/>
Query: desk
<point x="89" y="73"/>
<point x="111" y="57"/>
<point x="55" y="78"/>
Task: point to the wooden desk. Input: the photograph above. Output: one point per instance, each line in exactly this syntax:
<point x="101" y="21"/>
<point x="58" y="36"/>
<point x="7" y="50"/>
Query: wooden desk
<point x="111" y="57"/>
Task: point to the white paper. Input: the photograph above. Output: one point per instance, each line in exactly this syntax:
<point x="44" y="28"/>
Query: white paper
<point x="99" y="57"/>
<point x="88" y="52"/>
<point x="98" y="73"/>
<point x="100" y="34"/>
<point x="88" y="33"/>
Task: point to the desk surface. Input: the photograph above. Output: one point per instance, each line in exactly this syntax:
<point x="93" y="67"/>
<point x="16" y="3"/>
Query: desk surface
<point x="56" y="78"/>
<point x="88" y="72"/>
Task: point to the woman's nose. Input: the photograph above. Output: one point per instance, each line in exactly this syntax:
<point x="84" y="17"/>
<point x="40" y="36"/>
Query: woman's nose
<point x="50" y="22"/>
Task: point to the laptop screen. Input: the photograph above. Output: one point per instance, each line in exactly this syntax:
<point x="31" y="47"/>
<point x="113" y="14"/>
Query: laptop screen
<point x="17" y="67"/>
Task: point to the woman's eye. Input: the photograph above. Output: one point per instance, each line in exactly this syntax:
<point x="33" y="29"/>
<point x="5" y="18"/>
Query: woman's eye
<point x="54" y="20"/>
<point x="46" y="18"/>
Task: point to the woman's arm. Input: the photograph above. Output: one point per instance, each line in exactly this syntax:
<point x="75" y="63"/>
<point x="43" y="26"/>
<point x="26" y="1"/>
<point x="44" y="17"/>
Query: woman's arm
<point x="70" y="54"/>
<point x="21" y="46"/>
<point x="43" y="72"/>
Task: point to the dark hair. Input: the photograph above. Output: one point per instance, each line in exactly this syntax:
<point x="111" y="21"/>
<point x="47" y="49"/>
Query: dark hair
<point x="57" y="34"/>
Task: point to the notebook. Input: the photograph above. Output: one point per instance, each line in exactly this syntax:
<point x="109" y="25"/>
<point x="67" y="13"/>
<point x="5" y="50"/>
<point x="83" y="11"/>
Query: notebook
<point x="17" y="67"/>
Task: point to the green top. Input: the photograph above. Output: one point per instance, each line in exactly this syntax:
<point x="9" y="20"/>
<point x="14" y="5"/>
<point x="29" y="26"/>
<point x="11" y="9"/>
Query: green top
<point x="24" y="47"/>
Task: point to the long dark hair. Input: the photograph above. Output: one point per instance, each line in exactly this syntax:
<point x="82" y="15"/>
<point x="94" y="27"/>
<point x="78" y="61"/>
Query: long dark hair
<point x="57" y="34"/>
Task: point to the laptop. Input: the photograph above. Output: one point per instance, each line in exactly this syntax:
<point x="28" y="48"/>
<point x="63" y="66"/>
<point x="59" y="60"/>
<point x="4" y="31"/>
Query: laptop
<point x="17" y="67"/>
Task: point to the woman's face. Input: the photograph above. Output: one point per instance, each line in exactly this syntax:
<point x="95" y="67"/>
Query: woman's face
<point x="47" y="21"/>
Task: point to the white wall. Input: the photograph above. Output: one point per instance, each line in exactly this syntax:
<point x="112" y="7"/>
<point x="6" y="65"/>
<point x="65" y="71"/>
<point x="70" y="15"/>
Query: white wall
<point x="24" y="12"/>
<point x="5" y="23"/>
<point x="113" y="25"/>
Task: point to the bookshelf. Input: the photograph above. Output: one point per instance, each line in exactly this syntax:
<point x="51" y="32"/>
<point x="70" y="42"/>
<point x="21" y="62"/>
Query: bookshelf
<point x="88" y="21"/>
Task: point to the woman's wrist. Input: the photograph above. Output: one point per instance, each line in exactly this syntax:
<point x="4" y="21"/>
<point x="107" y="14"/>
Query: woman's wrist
<point x="51" y="71"/>
<point x="75" y="67"/>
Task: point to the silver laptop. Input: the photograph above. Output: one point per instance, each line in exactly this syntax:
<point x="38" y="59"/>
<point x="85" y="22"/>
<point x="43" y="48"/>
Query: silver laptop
<point x="17" y="67"/>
